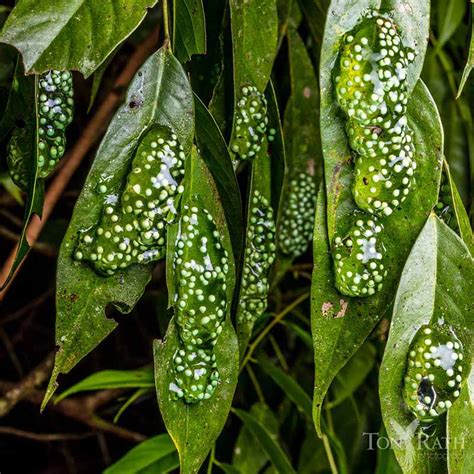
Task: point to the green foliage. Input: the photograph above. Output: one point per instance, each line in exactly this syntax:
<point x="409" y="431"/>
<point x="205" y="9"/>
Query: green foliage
<point x="267" y="151"/>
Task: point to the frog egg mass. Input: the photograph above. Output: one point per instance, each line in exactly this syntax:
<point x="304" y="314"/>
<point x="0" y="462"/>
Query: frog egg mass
<point x="259" y="257"/>
<point x="132" y="228"/>
<point x="296" y="226"/>
<point x="201" y="266"/>
<point x="250" y="123"/>
<point x="359" y="259"/>
<point x="54" y="104"/>
<point x="371" y="89"/>
<point x="435" y="372"/>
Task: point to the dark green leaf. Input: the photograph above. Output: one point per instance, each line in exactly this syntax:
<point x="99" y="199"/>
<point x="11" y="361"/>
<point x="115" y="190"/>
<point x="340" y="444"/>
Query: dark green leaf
<point x="290" y="387"/>
<point x="450" y="15"/>
<point x="248" y="455"/>
<point x="254" y="38"/>
<point x="302" y="138"/>
<point x="195" y="427"/>
<point x="82" y="294"/>
<point x="71" y="34"/>
<point x="97" y="78"/>
<point x="189" y="29"/>
<point x="353" y="374"/>
<point x="470" y="59"/>
<point x="108" y="379"/>
<point x="436" y="283"/>
<point x="260" y="182"/>
<point x="217" y="158"/>
<point x="460" y="431"/>
<point x="146" y="455"/>
<point x="455" y="207"/>
<point x="22" y="107"/>
<point x="268" y="444"/>
<point x="341" y="324"/>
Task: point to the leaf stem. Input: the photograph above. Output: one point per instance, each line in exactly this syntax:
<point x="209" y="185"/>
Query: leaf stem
<point x="270" y="326"/>
<point x="166" y="24"/>
<point x="254" y="380"/>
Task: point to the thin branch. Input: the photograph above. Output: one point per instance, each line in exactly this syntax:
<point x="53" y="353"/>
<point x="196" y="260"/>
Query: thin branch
<point x="44" y="437"/>
<point x="28" y="307"/>
<point x="21" y="390"/>
<point x="81" y="409"/>
<point x="92" y="132"/>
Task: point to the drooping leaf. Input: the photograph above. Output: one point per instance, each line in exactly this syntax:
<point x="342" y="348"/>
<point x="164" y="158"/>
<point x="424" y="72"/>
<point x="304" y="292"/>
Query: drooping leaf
<point x="146" y="455"/>
<point x="189" y="29"/>
<point x="341" y="324"/>
<point x="470" y="59"/>
<point x="194" y="427"/>
<point x="353" y="374"/>
<point x="450" y="208"/>
<point x="460" y="431"/>
<point x="259" y="249"/>
<point x="159" y="94"/>
<point x="254" y="27"/>
<point x="434" y="289"/>
<point x="450" y="15"/>
<point x="71" y="34"/>
<point x="269" y="445"/>
<point x="248" y="455"/>
<point x="303" y="156"/>
<point x="217" y="158"/>
<point x="109" y="379"/>
<point x="290" y="387"/>
<point x="21" y="117"/>
<point x="315" y="13"/>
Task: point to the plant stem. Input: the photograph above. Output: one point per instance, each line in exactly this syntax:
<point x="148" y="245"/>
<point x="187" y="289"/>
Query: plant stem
<point x="268" y="328"/>
<point x="166" y="24"/>
<point x="254" y="380"/>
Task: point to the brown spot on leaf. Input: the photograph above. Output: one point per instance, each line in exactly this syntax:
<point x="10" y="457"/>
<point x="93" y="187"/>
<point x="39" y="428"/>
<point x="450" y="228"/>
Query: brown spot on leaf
<point x="326" y="309"/>
<point x="343" y="305"/>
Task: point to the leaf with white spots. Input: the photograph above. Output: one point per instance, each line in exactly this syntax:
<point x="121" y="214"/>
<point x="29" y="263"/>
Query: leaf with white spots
<point x="82" y="293"/>
<point x="429" y="351"/>
<point x="187" y="358"/>
<point x="259" y="249"/>
<point x="340" y="324"/>
<point x="254" y="26"/>
<point x="303" y="156"/>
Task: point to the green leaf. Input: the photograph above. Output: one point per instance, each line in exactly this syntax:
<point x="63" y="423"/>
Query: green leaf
<point x="254" y="26"/>
<point x="455" y="206"/>
<point x="315" y="13"/>
<point x="290" y="387"/>
<point x="71" y="34"/>
<point x="22" y="107"/>
<point x="276" y="455"/>
<point x="341" y="324"/>
<point x="146" y="455"/>
<point x="11" y="187"/>
<point x="97" y="78"/>
<point x="353" y="374"/>
<point x="217" y="158"/>
<point x="82" y="295"/>
<point x="195" y="427"/>
<point x="470" y="59"/>
<point x="435" y="285"/>
<point x="450" y="15"/>
<point x="189" y="29"/>
<point x="248" y="455"/>
<point x="260" y="182"/>
<point x="302" y="138"/>
<point x="460" y="431"/>
<point x="108" y="379"/>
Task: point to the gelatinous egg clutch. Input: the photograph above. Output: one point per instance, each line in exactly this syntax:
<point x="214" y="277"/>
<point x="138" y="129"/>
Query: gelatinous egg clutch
<point x="371" y="90"/>
<point x="132" y="226"/>
<point x="436" y="369"/>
